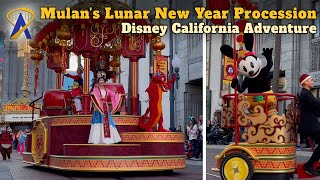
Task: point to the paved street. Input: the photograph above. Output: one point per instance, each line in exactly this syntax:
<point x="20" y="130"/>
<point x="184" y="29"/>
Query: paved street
<point x="213" y="150"/>
<point x="14" y="169"/>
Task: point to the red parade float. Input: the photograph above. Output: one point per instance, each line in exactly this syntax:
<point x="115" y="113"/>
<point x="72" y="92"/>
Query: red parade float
<point x="60" y="140"/>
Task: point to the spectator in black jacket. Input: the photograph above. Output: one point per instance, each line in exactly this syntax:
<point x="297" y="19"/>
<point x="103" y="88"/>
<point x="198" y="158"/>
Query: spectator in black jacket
<point x="310" y="126"/>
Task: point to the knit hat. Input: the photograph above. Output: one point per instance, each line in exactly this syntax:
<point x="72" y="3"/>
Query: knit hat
<point x="303" y="78"/>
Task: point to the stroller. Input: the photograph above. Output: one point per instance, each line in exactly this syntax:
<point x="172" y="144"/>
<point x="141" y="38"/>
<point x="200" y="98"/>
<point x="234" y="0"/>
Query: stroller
<point x="219" y="135"/>
<point x="188" y="149"/>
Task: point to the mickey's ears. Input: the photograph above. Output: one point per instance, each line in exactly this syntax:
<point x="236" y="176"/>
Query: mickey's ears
<point x="248" y="41"/>
<point x="227" y="51"/>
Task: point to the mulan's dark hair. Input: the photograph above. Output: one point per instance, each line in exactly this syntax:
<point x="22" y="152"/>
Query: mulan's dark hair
<point x="108" y="74"/>
<point x="105" y="80"/>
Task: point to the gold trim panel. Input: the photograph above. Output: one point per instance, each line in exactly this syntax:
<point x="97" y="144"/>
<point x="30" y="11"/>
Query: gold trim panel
<point x="113" y="145"/>
<point x="273" y="171"/>
<point x="116" y="157"/>
<point x="281" y="151"/>
<point x="277" y="158"/>
<point x="168" y="137"/>
<point x="117" y="164"/>
<point x="112" y="165"/>
<point x="39" y="144"/>
<point x="124" y="120"/>
<point x="268" y="145"/>
<point x="232" y="148"/>
<point x="270" y="165"/>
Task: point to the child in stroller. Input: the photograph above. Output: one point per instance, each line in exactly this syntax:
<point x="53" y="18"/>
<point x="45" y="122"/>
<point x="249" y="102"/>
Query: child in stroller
<point x="189" y="149"/>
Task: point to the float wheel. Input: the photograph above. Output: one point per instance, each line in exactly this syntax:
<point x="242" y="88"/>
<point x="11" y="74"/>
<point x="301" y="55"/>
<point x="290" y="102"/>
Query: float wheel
<point x="236" y="166"/>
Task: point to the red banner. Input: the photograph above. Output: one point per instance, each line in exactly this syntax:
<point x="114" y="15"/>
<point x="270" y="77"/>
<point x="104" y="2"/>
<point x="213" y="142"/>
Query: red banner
<point x="160" y="63"/>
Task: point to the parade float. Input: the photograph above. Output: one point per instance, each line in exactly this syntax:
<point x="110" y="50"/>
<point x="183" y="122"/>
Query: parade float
<point x="59" y="139"/>
<point x="264" y="122"/>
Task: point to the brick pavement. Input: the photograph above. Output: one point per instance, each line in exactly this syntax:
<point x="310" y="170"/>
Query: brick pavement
<point x="14" y="169"/>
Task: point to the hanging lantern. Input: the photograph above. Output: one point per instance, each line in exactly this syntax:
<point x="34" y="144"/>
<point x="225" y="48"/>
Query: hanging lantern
<point x="225" y="5"/>
<point x="218" y="5"/>
<point x="246" y="4"/>
<point x="218" y="21"/>
<point x="158" y="45"/>
<point x="64" y="35"/>
<point x="254" y="7"/>
<point x="242" y="2"/>
<point x="115" y="64"/>
<point x="240" y="38"/>
<point x="36" y="57"/>
<point x="241" y="24"/>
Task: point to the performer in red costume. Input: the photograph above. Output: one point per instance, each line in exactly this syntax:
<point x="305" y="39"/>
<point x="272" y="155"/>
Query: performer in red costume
<point x="77" y="88"/>
<point x="155" y="90"/>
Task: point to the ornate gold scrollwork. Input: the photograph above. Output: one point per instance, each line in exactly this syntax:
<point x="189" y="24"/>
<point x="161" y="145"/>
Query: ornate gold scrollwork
<point x="134" y="42"/>
<point x="100" y="34"/>
<point x="264" y="129"/>
<point x="39" y="142"/>
<point x="228" y="114"/>
<point x="258" y="116"/>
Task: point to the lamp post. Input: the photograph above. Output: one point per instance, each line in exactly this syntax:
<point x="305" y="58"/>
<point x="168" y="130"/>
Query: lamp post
<point x="176" y="62"/>
<point x="175" y="67"/>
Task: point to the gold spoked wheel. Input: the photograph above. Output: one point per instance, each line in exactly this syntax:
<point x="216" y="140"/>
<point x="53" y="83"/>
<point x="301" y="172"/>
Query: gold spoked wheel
<point x="236" y="166"/>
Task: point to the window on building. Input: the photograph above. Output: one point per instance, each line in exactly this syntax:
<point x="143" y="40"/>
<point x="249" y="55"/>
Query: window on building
<point x="208" y="39"/>
<point x="315" y="43"/>
<point x="315" y="55"/>
<point x="194" y="45"/>
<point x="316" y="6"/>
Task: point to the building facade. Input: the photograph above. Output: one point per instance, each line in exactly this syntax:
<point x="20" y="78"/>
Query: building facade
<point x="189" y="48"/>
<point x="15" y="102"/>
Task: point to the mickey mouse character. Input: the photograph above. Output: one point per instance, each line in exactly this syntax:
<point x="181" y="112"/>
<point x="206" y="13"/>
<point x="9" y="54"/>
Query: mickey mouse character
<point x="256" y="76"/>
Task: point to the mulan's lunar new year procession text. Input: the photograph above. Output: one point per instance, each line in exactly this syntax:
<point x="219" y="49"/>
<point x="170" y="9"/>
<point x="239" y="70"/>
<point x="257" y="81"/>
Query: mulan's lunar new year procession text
<point x="102" y="137"/>
<point x="265" y="134"/>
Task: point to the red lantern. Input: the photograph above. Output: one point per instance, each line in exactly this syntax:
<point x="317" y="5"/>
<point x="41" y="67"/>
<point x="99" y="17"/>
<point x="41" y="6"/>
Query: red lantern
<point x="36" y="57"/>
<point x="241" y="24"/>
<point x="247" y="5"/>
<point x="218" y="21"/>
<point x="218" y="5"/>
<point x="242" y="2"/>
<point x="254" y="7"/>
<point x="225" y="5"/>
<point x="214" y="5"/>
<point x="240" y="38"/>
